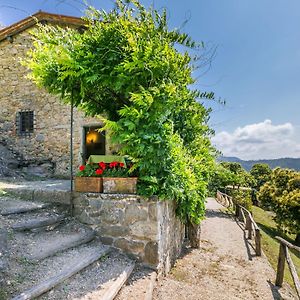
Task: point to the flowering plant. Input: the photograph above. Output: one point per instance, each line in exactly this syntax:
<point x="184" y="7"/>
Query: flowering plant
<point x="102" y="169"/>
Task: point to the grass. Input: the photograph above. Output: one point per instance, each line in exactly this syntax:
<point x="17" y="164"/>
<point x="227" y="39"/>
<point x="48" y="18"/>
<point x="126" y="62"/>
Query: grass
<point x="270" y="245"/>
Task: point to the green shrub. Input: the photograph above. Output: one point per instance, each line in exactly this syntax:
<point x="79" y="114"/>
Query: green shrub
<point x="126" y="67"/>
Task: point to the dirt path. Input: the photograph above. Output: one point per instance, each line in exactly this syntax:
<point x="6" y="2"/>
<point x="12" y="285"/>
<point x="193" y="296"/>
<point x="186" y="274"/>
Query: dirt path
<point x="225" y="267"/>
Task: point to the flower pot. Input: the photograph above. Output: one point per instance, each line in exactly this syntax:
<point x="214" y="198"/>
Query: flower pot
<point x="88" y="184"/>
<point x="119" y="185"/>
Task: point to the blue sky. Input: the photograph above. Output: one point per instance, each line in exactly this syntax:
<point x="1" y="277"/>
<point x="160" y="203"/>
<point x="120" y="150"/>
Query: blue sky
<point x="256" y="69"/>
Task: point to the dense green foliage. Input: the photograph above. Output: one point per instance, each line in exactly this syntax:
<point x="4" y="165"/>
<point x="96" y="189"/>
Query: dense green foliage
<point x="219" y="179"/>
<point x="229" y="174"/>
<point x="282" y="195"/>
<point x="125" y="66"/>
<point x="261" y="173"/>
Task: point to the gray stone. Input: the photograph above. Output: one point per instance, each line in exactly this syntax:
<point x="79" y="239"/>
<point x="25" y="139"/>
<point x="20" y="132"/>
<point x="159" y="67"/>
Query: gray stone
<point x="113" y="230"/>
<point x="95" y="203"/>
<point x="151" y="253"/>
<point x="144" y="230"/>
<point x="135" y="213"/>
<point x="126" y="245"/>
<point x="40" y="138"/>
<point x="111" y="216"/>
<point x="153" y="211"/>
<point x="107" y="240"/>
<point x="85" y="218"/>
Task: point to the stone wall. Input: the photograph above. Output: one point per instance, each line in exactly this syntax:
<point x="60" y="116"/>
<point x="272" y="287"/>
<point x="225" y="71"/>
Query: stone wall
<point x="47" y="148"/>
<point x="145" y="228"/>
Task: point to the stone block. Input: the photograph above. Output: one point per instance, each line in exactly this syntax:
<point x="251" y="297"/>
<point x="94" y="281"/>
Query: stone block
<point x="95" y="203"/>
<point x="151" y="253"/>
<point x="107" y="240"/>
<point x="111" y="216"/>
<point x="144" y="230"/>
<point x="130" y="246"/>
<point x="135" y="213"/>
<point x="85" y="218"/>
<point x="113" y="230"/>
<point x="152" y="211"/>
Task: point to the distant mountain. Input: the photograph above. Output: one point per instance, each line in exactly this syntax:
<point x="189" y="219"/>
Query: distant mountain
<point x="290" y="163"/>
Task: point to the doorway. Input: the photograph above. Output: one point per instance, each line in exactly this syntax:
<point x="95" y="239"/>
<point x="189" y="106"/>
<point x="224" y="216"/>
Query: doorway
<point x="93" y="142"/>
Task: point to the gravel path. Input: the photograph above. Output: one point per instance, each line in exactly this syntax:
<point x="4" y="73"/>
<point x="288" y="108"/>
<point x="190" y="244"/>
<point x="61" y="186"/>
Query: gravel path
<point x="225" y="267"/>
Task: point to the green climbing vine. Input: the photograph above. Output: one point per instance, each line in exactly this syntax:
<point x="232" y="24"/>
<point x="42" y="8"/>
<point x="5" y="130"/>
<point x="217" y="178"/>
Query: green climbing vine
<point x="126" y="67"/>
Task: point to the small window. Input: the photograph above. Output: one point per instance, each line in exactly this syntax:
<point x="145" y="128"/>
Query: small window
<point x="25" y="122"/>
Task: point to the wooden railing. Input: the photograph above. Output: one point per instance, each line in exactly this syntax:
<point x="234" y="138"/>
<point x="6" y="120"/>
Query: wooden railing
<point x="284" y="255"/>
<point x="246" y="217"/>
<point x="224" y="199"/>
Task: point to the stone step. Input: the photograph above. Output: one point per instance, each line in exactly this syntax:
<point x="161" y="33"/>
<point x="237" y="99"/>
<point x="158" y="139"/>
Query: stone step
<point x="28" y="207"/>
<point x="38" y="222"/>
<point x="81" y="262"/>
<point x="59" y="243"/>
<point x="101" y="280"/>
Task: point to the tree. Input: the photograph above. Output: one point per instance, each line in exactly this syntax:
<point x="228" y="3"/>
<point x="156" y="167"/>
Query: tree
<point x="239" y="177"/>
<point x="261" y="174"/>
<point x="282" y="195"/>
<point x="125" y="66"/>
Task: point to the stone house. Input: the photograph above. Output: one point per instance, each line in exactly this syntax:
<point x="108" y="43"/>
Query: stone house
<point x="34" y="125"/>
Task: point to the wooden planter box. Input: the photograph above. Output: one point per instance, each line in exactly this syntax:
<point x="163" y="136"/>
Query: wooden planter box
<point x="119" y="185"/>
<point x="89" y="184"/>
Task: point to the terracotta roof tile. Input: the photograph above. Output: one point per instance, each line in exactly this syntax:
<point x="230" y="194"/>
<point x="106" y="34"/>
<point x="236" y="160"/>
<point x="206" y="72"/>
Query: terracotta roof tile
<point x="34" y="19"/>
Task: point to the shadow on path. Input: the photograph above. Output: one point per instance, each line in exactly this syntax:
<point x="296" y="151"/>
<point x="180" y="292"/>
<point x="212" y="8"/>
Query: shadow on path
<point x="213" y="213"/>
<point x="275" y="291"/>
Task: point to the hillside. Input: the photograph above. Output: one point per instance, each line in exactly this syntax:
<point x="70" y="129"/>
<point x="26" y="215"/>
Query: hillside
<point x="291" y="163"/>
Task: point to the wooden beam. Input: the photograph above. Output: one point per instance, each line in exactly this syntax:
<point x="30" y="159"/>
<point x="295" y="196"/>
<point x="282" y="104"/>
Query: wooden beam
<point x="111" y="292"/>
<point x="280" y="265"/>
<point x="51" y="282"/>
<point x="281" y="240"/>
<point x="293" y="272"/>
<point x="150" y="287"/>
<point x="257" y="242"/>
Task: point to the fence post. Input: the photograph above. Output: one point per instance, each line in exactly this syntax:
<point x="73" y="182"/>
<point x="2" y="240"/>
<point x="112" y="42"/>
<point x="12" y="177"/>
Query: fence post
<point x="257" y="242"/>
<point x="237" y="210"/>
<point x="280" y="265"/>
<point x="240" y="217"/>
<point x="248" y="226"/>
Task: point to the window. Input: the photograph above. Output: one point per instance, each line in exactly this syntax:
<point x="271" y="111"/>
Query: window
<point x="25" y="122"/>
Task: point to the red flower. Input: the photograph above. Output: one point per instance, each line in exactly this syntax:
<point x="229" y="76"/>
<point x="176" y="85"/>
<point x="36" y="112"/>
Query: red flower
<point x="99" y="171"/>
<point x="81" y="168"/>
<point x="113" y="164"/>
<point x="102" y="165"/>
<point x="122" y="165"/>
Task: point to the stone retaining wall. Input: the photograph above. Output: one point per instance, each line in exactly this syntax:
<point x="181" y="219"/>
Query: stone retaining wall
<point x="146" y="229"/>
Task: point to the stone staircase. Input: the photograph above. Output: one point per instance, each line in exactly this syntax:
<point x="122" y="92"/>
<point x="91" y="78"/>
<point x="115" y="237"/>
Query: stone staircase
<point x="46" y="254"/>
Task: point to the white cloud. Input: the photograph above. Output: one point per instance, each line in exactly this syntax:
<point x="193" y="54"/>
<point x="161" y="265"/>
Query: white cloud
<point x="258" y="141"/>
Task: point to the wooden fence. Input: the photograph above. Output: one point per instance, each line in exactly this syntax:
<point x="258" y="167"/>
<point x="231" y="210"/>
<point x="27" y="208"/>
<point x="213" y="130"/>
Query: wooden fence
<point x="245" y="216"/>
<point x="224" y="199"/>
<point x="284" y="255"/>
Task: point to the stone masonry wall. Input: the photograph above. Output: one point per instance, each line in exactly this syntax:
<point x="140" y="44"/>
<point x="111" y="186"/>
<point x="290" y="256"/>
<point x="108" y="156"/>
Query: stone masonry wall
<point x="49" y="142"/>
<point x="145" y="228"/>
